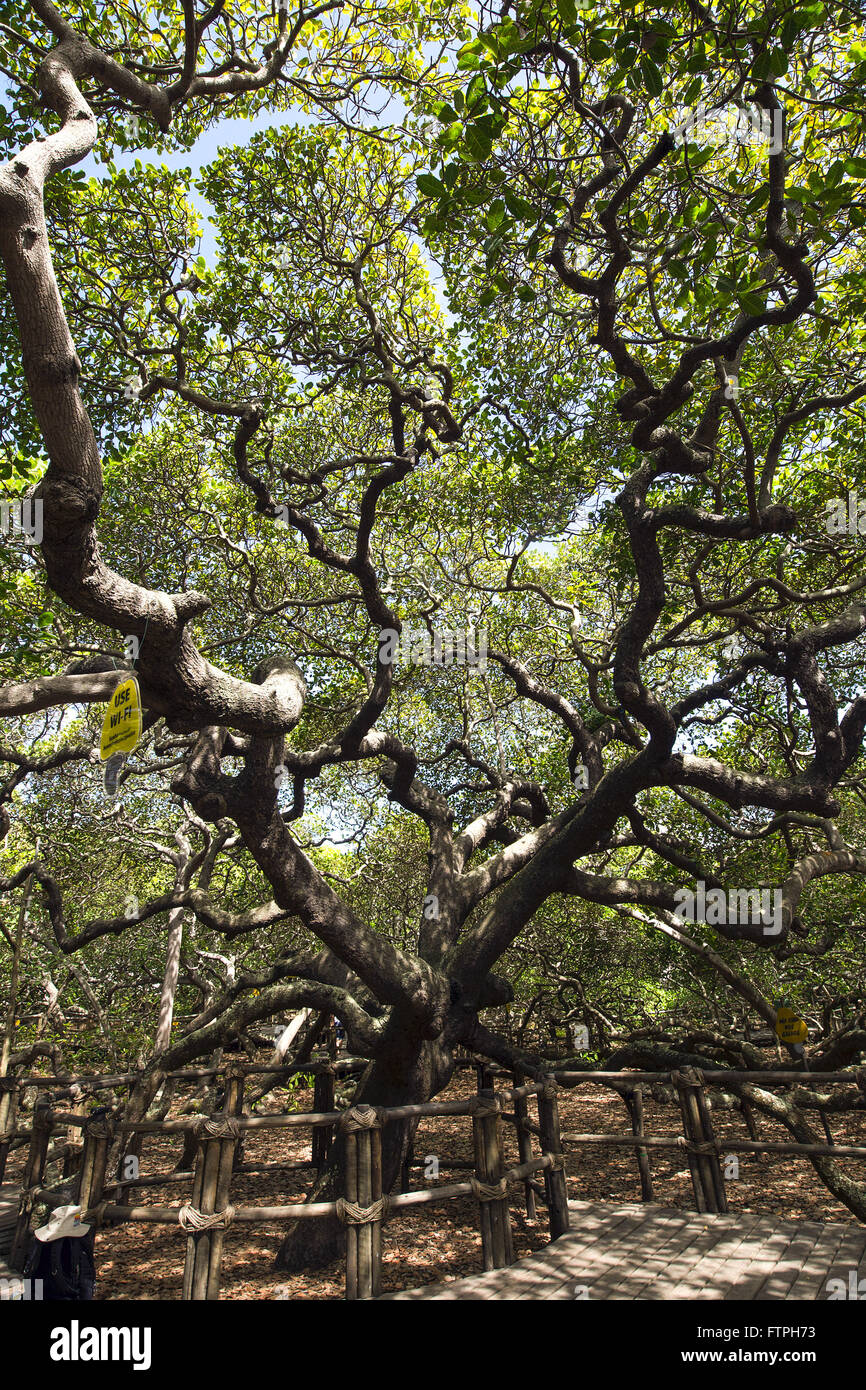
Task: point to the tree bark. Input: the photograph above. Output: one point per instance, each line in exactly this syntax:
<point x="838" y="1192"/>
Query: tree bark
<point x="408" y="1072"/>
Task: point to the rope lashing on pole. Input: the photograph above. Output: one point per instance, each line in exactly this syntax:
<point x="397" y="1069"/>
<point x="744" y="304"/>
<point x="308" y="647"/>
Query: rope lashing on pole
<point x="483" y="1109"/>
<point x="694" y="1147"/>
<point x="489" y="1191"/>
<point x="193" y="1221"/>
<point x="351" y="1214"/>
<point x="220" y="1127"/>
<point x="99" y="1129"/>
<point x="363" y="1117"/>
<point x="95" y="1216"/>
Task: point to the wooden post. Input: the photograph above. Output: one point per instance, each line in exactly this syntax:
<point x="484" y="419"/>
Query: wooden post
<point x="206" y="1217"/>
<point x="692" y="1135"/>
<point x="228" y="1147"/>
<point x="634" y="1102"/>
<point x="706" y="1173"/>
<point x="496" y="1244"/>
<point x="323" y="1101"/>
<point x="34" y="1176"/>
<point x="90" y="1184"/>
<point x="406" y="1167"/>
<point x="8" y="1089"/>
<point x="362" y="1208"/>
<point x="8" y="1114"/>
<point x="75" y="1147"/>
<point x="551" y="1143"/>
<point x="234" y="1103"/>
<point x="712" y="1166"/>
<point x="524" y="1140"/>
<point x="484" y="1076"/>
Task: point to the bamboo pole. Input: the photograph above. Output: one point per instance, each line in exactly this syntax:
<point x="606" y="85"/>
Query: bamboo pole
<point x="302" y="1211"/>
<point x="634" y="1102"/>
<point x="8" y="1118"/>
<point x="74" y="1146"/>
<point x="34" y="1176"/>
<point x="361" y="1208"/>
<point x="225" y="1173"/>
<point x="688" y="1112"/>
<point x="234" y="1105"/>
<point x="524" y="1139"/>
<point x="712" y="1167"/>
<point x="98" y="1134"/>
<point x="703" y="1161"/>
<point x="496" y="1244"/>
<point x="224" y="1135"/>
<point x="676" y="1141"/>
<point x="763" y="1078"/>
<point x="551" y="1143"/>
<point x="347" y="1066"/>
<point x="204" y="1187"/>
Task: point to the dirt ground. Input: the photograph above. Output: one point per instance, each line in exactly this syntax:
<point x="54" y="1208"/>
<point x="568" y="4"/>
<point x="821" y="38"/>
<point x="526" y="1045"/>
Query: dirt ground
<point x="441" y="1242"/>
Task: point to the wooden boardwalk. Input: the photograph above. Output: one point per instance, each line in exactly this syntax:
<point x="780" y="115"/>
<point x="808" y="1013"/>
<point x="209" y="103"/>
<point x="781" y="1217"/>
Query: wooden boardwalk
<point x="645" y="1251"/>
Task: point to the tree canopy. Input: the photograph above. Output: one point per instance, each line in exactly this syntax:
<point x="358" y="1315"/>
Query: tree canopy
<point x="468" y="466"/>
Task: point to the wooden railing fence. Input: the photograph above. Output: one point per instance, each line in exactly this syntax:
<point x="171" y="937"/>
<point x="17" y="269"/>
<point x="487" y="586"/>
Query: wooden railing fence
<point x="363" y="1207"/>
<point x="702" y="1147"/>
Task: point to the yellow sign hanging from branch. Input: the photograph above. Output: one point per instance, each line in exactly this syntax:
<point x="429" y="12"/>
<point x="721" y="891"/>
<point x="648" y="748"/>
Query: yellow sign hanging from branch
<point x="121" y="727"/>
<point x="790" y="1028"/>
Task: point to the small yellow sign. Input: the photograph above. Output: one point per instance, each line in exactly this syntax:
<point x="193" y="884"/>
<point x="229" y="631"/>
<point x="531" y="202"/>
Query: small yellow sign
<point x="121" y="727"/>
<point x="790" y="1027"/>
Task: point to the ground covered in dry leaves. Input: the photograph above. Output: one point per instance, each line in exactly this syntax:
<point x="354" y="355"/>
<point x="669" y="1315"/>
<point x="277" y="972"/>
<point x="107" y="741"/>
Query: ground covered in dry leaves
<point x="442" y="1242"/>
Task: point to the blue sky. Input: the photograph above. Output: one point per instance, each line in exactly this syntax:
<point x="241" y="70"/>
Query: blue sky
<point x="232" y="131"/>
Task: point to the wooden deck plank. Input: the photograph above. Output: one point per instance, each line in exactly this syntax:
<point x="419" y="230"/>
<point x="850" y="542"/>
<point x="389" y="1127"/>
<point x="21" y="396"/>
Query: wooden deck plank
<point x="648" y="1252"/>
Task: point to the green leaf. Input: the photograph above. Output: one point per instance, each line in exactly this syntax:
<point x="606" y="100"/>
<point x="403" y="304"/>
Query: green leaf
<point x="761" y="66"/>
<point x="652" y="77"/>
<point x="752" y="303"/>
<point x="429" y="184"/>
<point x="479" y="141"/>
<point x="518" y="207"/>
<point x="693" y="90"/>
<point x="778" y="62"/>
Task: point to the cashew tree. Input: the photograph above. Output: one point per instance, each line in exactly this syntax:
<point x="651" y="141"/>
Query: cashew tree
<point x="490" y="481"/>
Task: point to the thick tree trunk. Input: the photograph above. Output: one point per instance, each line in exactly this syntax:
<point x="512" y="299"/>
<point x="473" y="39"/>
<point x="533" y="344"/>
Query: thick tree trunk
<point x="408" y="1071"/>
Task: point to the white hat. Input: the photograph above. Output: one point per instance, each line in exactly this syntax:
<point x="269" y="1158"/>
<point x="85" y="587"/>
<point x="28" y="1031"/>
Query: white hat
<point x="63" y="1221"/>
